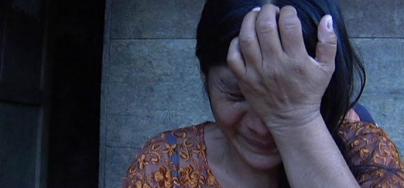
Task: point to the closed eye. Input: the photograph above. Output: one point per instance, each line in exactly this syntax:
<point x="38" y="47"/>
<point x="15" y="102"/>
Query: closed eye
<point x="237" y="97"/>
<point x="231" y="90"/>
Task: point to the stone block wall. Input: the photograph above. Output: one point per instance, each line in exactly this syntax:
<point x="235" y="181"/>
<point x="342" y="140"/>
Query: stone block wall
<point x="151" y="80"/>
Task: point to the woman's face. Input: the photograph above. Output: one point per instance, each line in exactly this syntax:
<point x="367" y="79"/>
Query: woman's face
<point x="240" y="124"/>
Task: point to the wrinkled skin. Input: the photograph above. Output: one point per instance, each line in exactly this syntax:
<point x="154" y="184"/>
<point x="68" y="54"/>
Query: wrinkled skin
<point x="281" y="82"/>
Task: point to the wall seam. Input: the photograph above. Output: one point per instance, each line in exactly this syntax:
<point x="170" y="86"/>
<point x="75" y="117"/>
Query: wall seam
<point x="106" y="59"/>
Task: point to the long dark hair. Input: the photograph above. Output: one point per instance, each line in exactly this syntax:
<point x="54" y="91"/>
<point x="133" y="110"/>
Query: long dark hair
<point x="221" y="21"/>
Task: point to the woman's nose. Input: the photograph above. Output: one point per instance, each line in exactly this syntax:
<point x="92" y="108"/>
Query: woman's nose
<point x="256" y="125"/>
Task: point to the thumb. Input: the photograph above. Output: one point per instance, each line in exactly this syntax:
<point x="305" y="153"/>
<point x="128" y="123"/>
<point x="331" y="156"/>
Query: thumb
<point x="327" y="41"/>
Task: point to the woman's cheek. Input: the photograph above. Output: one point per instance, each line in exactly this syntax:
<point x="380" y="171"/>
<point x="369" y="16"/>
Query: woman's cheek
<point x="229" y="113"/>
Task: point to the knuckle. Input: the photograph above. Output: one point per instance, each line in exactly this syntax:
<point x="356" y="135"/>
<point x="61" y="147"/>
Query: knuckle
<point x="328" y="38"/>
<point x="232" y="57"/>
<point x="333" y="39"/>
<point x="290" y="24"/>
<point x="298" y="69"/>
<point x="288" y="18"/>
<point x="267" y="26"/>
<point x="270" y="70"/>
<point x="247" y="40"/>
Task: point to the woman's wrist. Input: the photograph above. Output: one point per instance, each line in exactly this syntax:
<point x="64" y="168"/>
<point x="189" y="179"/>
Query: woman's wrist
<point x="298" y="128"/>
<point x="290" y="120"/>
<point x="310" y="149"/>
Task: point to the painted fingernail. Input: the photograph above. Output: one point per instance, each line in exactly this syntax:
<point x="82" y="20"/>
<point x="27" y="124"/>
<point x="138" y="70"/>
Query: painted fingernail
<point x="329" y="23"/>
<point x="256" y="9"/>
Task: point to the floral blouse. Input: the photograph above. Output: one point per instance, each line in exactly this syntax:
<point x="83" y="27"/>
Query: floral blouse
<point x="178" y="158"/>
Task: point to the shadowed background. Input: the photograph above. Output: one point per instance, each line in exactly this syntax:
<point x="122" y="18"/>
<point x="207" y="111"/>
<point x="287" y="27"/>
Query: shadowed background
<point x="151" y="80"/>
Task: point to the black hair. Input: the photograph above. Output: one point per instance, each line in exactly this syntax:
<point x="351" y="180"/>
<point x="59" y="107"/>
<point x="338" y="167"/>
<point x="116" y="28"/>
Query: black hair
<point x="221" y="21"/>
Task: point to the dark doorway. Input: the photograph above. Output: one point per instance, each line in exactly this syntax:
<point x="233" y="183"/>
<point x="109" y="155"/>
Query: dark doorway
<point x="75" y="51"/>
<point x="50" y="77"/>
<point x="23" y="94"/>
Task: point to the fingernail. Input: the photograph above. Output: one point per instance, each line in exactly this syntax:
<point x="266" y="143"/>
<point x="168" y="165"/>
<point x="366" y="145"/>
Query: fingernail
<point x="256" y="9"/>
<point x="329" y="23"/>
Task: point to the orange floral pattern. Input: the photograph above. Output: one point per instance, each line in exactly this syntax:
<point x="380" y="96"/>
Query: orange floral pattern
<point x="155" y="167"/>
<point x="371" y="155"/>
<point x="373" y="158"/>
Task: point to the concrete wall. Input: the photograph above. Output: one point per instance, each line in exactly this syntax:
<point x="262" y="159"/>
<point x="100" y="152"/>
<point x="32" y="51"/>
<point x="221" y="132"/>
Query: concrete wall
<point x="151" y="81"/>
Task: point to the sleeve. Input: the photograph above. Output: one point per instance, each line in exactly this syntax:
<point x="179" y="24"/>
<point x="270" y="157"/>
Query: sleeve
<point x="363" y="113"/>
<point x="371" y="155"/>
<point x="152" y="167"/>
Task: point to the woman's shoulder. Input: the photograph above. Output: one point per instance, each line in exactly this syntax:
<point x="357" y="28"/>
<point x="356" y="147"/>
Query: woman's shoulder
<point x="371" y="154"/>
<point x="175" y="137"/>
<point x="170" y="158"/>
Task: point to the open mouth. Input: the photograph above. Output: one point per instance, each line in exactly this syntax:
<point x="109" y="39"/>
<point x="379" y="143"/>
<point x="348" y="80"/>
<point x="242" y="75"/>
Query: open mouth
<point x="260" y="146"/>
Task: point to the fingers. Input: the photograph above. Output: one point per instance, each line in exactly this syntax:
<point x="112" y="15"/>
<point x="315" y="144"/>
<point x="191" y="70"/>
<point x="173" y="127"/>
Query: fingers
<point x="326" y="49"/>
<point x="267" y="31"/>
<point x="235" y="59"/>
<point x="242" y="70"/>
<point x="291" y="32"/>
<point x="248" y="39"/>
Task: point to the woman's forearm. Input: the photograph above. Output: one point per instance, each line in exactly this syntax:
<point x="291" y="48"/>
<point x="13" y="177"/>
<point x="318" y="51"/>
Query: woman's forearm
<point x="311" y="157"/>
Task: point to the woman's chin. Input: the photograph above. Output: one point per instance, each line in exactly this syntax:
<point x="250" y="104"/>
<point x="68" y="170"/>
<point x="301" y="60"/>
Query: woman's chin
<point x="261" y="162"/>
